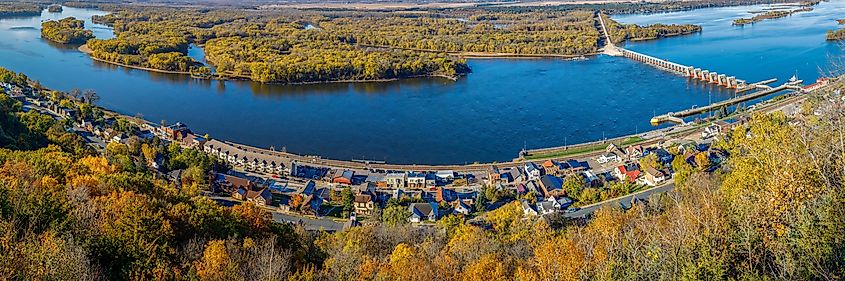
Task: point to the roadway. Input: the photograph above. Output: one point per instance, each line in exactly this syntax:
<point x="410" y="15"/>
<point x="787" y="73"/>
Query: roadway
<point x="615" y="202"/>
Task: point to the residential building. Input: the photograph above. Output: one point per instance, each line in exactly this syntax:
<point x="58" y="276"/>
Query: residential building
<point x="261" y="197"/>
<point x="462" y="207"/>
<point x="528" y="208"/>
<point x="416" y="180"/>
<point x="364" y="204"/>
<point x="421" y="212"/>
<point x="395" y="180"/>
<point x="552" y="186"/>
<point x="548" y="206"/>
<point x="654" y="177"/>
<point x="629" y="172"/>
<point x="607" y="157"/>
<point x="493" y="175"/>
<point x="533" y="171"/>
<point x="344" y="178"/>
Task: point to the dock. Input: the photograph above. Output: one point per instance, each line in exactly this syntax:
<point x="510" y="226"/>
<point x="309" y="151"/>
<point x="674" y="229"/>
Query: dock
<point x="677" y="117"/>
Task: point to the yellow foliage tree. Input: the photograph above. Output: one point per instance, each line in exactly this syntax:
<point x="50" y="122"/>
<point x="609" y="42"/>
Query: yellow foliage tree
<point x="216" y="264"/>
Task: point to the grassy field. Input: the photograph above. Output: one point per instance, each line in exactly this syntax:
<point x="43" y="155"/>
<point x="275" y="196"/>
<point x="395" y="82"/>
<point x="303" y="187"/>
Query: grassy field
<point x="582" y="150"/>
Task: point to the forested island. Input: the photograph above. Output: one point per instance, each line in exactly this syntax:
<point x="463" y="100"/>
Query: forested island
<point x="623" y="32"/>
<point x="15" y="9"/>
<point x="287" y="46"/>
<point x="55" y="8"/>
<point x="66" y="31"/>
<point x="776" y="14"/>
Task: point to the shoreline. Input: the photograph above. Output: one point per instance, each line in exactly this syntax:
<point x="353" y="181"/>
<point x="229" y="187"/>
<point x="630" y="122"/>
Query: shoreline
<point x="87" y="51"/>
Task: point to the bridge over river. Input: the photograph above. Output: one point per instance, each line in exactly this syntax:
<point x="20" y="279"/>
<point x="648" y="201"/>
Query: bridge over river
<point x="730" y="82"/>
<point x="690" y="71"/>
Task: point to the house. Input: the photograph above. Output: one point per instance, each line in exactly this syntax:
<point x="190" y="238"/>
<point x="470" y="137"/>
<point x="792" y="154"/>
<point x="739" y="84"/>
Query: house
<point x="158" y="162"/>
<point x="230" y="183"/>
<point x="493" y="175"/>
<point x="176" y="131"/>
<point x="552" y="186"/>
<point x="628" y="172"/>
<point x="416" y="180"/>
<point x="240" y="193"/>
<point x="607" y="157"/>
<point x="532" y="186"/>
<point x="612" y="148"/>
<point x="422" y="212"/>
<point x="548" y="206"/>
<point x="564" y="202"/>
<point x="551" y="167"/>
<point x="654" y="177"/>
<point x="528" y="209"/>
<point x="461" y="207"/>
<point x="261" y="197"/>
<point x="516" y="174"/>
<point x="192" y="141"/>
<point x="364" y="204"/>
<point x="634" y="152"/>
<point x="532" y="171"/>
<point x="446" y="176"/>
<point x="395" y="180"/>
<point x="344" y="178"/>
<point x="590" y="178"/>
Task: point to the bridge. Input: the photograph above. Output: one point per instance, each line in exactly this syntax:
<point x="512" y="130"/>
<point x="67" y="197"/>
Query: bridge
<point x="730" y="82"/>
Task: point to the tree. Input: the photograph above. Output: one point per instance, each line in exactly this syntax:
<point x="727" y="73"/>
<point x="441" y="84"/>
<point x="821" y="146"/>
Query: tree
<point x="348" y="199"/>
<point x="395" y="215"/>
<point x="90" y="96"/>
<point x="702" y="161"/>
<point x="216" y="264"/>
<point x="651" y="161"/>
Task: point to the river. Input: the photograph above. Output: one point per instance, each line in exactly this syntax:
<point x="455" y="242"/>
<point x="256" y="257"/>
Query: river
<point x="501" y="107"/>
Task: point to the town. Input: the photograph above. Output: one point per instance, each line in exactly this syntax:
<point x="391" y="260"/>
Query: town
<point x="332" y="194"/>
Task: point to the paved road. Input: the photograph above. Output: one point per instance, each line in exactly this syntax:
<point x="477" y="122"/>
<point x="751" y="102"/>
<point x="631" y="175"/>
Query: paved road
<point x="586" y="211"/>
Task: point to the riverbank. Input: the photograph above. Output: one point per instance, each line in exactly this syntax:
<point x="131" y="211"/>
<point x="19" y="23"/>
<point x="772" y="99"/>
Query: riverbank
<point x="84" y="49"/>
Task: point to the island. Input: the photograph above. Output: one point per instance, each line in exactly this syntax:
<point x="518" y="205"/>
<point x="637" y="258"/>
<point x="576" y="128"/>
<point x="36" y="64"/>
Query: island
<point x="55" y="8"/>
<point x="66" y="31"/>
<point x="317" y="46"/>
<point x="19" y="9"/>
<point x="776" y="14"/>
<point x="632" y="32"/>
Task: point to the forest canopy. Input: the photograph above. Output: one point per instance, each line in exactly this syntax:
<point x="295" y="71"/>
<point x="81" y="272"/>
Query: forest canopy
<point x="66" y="31"/>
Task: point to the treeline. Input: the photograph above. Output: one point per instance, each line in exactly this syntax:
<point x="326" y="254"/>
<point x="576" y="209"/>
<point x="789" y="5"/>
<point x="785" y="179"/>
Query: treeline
<point x="14" y="9"/>
<point x="756" y="219"/>
<point x="145" y="50"/>
<point x="553" y="33"/>
<point x="66" y="31"/>
<point x="622" y="32"/>
<point x="67" y="213"/>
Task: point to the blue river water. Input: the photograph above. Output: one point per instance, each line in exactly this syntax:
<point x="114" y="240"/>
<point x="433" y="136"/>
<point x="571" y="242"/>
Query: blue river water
<point x="501" y="107"/>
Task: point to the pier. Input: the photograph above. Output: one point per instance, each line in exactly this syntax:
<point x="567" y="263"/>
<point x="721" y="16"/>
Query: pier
<point x="677" y="117"/>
